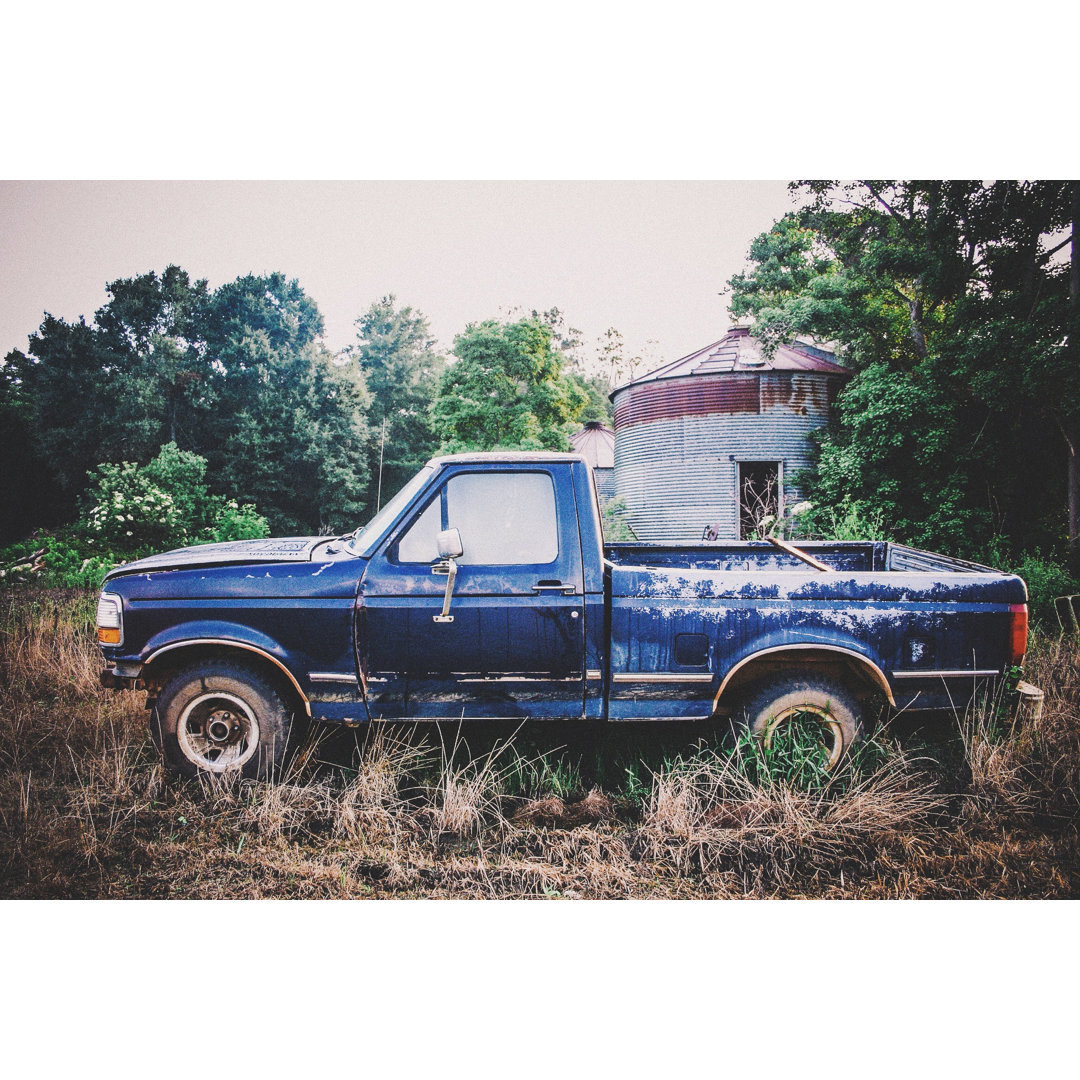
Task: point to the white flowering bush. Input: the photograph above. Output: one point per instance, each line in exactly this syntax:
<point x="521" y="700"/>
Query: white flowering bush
<point x="129" y="510"/>
<point x="165" y="504"/>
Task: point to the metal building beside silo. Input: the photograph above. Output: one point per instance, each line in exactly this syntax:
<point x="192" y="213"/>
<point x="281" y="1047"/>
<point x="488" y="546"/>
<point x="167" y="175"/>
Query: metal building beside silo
<point x="697" y="439"/>
<point x="596" y="443"/>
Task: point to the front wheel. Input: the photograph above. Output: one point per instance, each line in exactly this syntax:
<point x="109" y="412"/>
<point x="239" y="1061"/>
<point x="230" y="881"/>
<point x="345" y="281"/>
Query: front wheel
<point x="218" y="717"/>
<point x="804" y="718"/>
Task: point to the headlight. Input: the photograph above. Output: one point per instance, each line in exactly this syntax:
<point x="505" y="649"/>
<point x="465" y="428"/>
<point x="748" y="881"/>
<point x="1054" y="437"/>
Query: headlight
<point x="110" y="619"/>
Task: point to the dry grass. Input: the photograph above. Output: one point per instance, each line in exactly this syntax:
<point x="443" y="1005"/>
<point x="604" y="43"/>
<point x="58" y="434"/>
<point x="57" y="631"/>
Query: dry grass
<point x="712" y="813"/>
<point x="988" y="807"/>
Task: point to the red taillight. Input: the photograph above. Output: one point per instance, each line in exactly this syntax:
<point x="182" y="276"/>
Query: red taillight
<point x="1018" y="615"/>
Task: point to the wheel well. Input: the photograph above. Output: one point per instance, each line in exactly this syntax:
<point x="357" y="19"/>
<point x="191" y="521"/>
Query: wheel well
<point x="861" y="676"/>
<point x="158" y="671"/>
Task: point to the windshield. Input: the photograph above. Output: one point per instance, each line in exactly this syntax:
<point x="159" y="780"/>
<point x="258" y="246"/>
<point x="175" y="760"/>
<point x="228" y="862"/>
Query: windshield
<point x="367" y="539"/>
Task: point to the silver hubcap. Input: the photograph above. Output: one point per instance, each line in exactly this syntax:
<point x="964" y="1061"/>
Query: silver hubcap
<point x="217" y="732"/>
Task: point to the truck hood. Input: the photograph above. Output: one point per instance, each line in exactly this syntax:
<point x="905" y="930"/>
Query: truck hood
<point x="237" y="552"/>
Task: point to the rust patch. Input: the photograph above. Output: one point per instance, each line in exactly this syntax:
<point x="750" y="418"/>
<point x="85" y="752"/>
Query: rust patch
<point x="802" y="395"/>
<point x="687" y="397"/>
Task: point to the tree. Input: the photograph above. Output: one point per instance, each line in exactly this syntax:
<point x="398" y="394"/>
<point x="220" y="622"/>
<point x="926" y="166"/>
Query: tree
<point x="950" y="300"/>
<point x="28" y="490"/>
<point x="239" y="376"/>
<point x="116" y="388"/>
<point x="61" y="392"/>
<point x="151" y="325"/>
<point x="616" y="360"/>
<point x="506" y="390"/>
<point x="591" y="378"/>
<point x="401" y="365"/>
<point x="290" y="434"/>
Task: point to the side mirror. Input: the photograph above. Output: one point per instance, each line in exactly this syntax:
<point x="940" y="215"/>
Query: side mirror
<point x="449" y="544"/>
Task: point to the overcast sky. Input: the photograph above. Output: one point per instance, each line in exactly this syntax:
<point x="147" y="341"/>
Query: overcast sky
<point x="648" y="258"/>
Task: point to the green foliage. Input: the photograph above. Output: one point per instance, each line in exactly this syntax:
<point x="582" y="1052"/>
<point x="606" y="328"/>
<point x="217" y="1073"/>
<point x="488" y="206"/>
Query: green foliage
<point x="235" y="522"/>
<point x="848" y="520"/>
<point x="591" y="377"/>
<point x="1046" y="580"/>
<point x="551" y="773"/>
<point x="614" y="520"/>
<point x="126" y="509"/>
<point x="796" y="758"/>
<point x="130" y="508"/>
<point x="27" y="490"/>
<point x="596" y="389"/>
<point x="506" y="391"/>
<point x="59" y="561"/>
<point x="293" y="437"/>
<point x="238" y="376"/>
<point x="947" y="301"/>
<point x="400" y="364"/>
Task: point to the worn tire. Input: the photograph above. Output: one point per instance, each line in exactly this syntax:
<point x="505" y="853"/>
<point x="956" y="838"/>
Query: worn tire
<point x="787" y="697"/>
<point x="217" y="717"/>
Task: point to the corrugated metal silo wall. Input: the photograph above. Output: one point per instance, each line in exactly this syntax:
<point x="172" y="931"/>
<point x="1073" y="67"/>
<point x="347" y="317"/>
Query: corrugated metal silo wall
<point x="605" y="483"/>
<point x="678" y="474"/>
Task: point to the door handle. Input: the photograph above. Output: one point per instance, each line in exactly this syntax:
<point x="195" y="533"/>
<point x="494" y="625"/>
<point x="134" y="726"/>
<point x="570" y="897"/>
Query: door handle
<point x="451" y="570"/>
<point x="554" y="586"/>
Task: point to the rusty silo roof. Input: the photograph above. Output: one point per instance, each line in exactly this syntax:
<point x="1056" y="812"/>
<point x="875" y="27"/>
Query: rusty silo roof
<point x="738" y="352"/>
<point x="596" y="443"/>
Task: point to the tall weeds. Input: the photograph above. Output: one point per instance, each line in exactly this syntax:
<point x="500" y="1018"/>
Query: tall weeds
<point x="86" y="810"/>
<point x="724" y="809"/>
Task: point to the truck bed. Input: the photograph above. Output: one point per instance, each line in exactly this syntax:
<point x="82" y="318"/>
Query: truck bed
<point x="858" y="556"/>
<point x="929" y="624"/>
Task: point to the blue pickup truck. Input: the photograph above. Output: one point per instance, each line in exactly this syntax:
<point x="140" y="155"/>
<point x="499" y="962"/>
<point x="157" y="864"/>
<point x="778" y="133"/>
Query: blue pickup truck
<point x="484" y="590"/>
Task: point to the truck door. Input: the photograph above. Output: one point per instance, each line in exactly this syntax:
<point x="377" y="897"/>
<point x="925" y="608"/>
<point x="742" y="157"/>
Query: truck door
<point x="513" y="643"/>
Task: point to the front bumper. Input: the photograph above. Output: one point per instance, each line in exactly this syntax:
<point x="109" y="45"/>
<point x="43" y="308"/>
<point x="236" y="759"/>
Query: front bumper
<point x="122" y="677"/>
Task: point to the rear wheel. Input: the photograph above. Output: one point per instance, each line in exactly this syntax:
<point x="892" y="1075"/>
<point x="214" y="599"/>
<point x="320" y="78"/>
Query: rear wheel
<point x="217" y="717"/>
<point x="804" y="719"/>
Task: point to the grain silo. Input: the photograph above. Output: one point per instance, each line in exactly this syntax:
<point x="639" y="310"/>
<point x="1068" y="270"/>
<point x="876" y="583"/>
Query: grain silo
<point x="713" y="441"/>
<point x="596" y="443"/>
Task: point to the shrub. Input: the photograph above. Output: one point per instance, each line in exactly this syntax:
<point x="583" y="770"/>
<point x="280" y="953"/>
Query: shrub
<point x="236" y="522"/>
<point x="130" y="508"/>
<point x="58" y="562"/>
<point x="1045" y="579"/>
<point x="850" y="520"/>
<point x="125" y="509"/>
<point x="615" y="524"/>
<point x="67" y="566"/>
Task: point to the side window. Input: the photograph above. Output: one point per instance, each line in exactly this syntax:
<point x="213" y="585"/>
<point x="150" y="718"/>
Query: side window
<point x="418" y="544"/>
<point x="503" y="518"/>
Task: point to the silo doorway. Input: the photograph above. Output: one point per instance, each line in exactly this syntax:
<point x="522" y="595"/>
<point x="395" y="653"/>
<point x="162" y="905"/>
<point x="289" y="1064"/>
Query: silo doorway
<point x="761" y="497"/>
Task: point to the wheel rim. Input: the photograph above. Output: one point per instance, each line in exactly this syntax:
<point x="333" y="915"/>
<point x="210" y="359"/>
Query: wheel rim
<point x="825" y="723"/>
<point x="217" y="732"/>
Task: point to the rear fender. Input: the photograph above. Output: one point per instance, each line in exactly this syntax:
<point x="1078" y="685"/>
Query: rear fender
<point x="853" y="666"/>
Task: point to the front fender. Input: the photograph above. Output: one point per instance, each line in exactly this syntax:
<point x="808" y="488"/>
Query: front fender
<point x="211" y="632"/>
